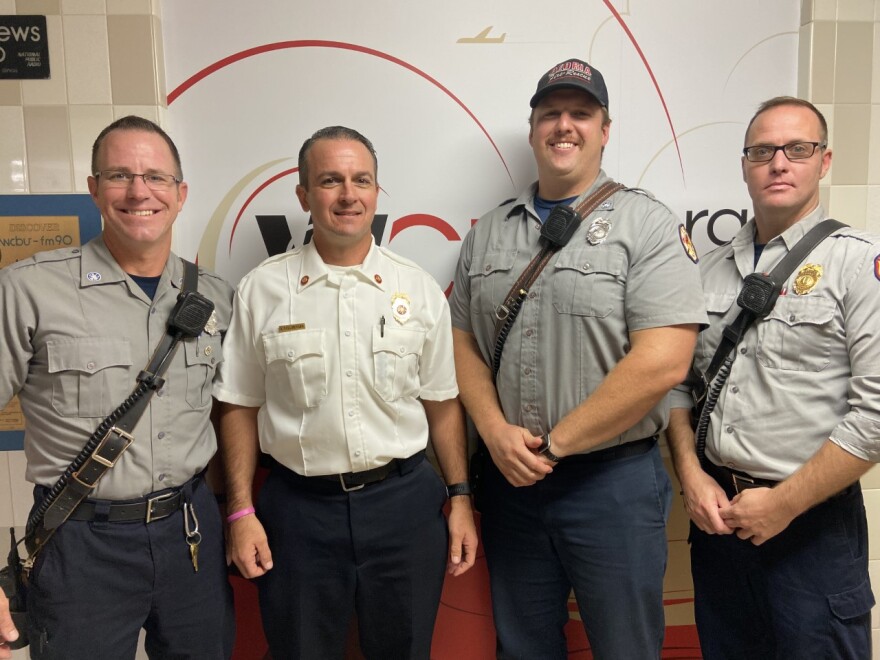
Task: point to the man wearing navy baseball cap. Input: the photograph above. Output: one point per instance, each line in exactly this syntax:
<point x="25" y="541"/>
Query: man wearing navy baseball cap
<point x="575" y="310"/>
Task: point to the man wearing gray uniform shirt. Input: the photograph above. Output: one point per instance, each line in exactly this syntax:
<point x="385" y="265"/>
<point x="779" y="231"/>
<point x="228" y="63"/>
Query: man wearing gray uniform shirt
<point x="604" y="332"/>
<point x="779" y="535"/>
<point x="78" y="326"/>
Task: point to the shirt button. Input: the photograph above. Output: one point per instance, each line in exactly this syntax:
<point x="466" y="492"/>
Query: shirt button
<point x="358" y="452"/>
<point x="402" y="350"/>
<point x="162" y="477"/>
<point x="290" y="354"/>
<point x="792" y="318"/>
<point x="729" y="429"/>
<point x="90" y="366"/>
<point x="743" y="350"/>
<point x="528" y="407"/>
<point x="532" y="294"/>
<point x="349" y="373"/>
<point x="488" y="267"/>
<point x="731" y="465"/>
<point x="586" y="266"/>
<point x="351" y="413"/>
<point x="153" y="311"/>
<point x="348" y="333"/>
<point x="528" y="333"/>
<point x="734" y="389"/>
<point x="527" y="371"/>
<point x="161" y="435"/>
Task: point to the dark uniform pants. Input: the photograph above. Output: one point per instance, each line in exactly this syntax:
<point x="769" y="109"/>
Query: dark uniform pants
<point x="805" y="593"/>
<point x="96" y="584"/>
<point x="379" y="551"/>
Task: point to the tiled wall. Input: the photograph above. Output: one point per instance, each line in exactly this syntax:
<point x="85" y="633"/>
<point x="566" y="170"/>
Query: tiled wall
<point x="106" y="62"/>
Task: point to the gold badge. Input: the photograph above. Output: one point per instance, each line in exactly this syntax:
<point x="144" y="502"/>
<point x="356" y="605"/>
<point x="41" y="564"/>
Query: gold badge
<point x="598" y="231"/>
<point x="211" y="325"/>
<point x="400" y="307"/>
<point x="807" y="279"/>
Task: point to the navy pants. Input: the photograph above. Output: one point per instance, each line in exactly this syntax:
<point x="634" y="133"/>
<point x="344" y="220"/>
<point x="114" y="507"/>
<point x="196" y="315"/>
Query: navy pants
<point x="96" y="584"/>
<point x="599" y="528"/>
<point x="379" y="552"/>
<point x="805" y="593"/>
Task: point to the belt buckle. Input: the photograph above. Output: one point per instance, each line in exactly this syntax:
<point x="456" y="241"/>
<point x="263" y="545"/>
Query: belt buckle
<point x="346" y="488"/>
<point x="746" y="482"/>
<point x="156" y="500"/>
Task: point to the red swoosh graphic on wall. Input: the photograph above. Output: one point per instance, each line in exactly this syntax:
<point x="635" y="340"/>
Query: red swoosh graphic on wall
<point x="316" y="43"/>
<point x="644" y="59"/>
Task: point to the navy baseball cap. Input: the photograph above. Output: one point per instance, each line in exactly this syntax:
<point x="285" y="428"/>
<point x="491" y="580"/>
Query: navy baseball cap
<point x="572" y="74"/>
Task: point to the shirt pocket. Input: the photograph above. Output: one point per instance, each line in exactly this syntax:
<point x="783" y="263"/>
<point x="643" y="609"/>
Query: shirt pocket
<point x="717" y="306"/>
<point x="90" y="375"/>
<point x="296" y="364"/>
<point x="203" y="354"/>
<point x="396" y="362"/>
<point x="796" y="334"/>
<point x="588" y="282"/>
<point x="491" y="279"/>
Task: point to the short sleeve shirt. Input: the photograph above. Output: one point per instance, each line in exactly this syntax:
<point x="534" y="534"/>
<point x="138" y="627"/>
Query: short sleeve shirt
<point x="629" y="266"/>
<point x="337" y="360"/>
<point x="75" y="333"/>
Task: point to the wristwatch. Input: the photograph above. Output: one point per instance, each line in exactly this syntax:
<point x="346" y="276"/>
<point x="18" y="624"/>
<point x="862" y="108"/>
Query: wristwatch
<point x="461" y="488"/>
<point x="544" y="449"/>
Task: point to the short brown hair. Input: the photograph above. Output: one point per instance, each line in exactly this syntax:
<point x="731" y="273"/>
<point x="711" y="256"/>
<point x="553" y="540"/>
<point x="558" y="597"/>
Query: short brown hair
<point x="135" y="123"/>
<point x="778" y="101"/>
<point x="331" y="133"/>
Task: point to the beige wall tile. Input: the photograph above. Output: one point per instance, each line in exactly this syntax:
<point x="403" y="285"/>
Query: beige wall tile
<point x="129" y="7"/>
<point x="10" y="92"/>
<point x="855" y="10"/>
<point x="875" y="645"/>
<point x="872" y="507"/>
<point x="132" y="65"/>
<point x="13" y="161"/>
<point x="22" y="491"/>
<point x="160" y="62"/>
<point x="851" y="137"/>
<point x="39" y="7"/>
<point x="805" y="64"/>
<point x="6" y="519"/>
<point x="872" y="222"/>
<point x="47" y="136"/>
<point x="852" y="79"/>
<point x="824" y="10"/>
<point x="678" y="569"/>
<point x="825" y="193"/>
<point x="877" y="10"/>
<point x="871" y="480"/>
<point x="7" y="7"/>
<point x="54" y="90"/>
<point x="83" y="7"/>
<point x="157" y="8"/>
<point x="874" y="146"/>
<point x="87" y="57"/>
<point x="850" y="205"/>
<point x="827" y="110"/>
<point x="875" y="68"/>
<point x="146" y="111"/>
<point x="823" y="56"/>
<point x="86" y="121"/>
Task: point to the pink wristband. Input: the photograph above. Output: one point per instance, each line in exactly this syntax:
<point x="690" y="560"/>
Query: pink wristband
<point x="240" y="514"/>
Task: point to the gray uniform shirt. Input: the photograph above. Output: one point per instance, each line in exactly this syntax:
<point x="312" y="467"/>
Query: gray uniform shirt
<point x="807" y="372"/>
<point x="76" y="331"/>
<point x="574" y="326"/>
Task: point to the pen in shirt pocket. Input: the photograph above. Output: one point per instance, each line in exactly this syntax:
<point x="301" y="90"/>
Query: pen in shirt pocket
<point x="382" y="326"/>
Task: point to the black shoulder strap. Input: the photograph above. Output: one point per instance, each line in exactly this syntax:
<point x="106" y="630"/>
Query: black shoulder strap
<point x="760" y="291"/>
<point x="190" y="276"/>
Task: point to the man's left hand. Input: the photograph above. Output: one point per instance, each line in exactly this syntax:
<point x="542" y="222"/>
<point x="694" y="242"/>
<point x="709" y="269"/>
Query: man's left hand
<point x="462" y="536"/>
<point x="757" y="514"/>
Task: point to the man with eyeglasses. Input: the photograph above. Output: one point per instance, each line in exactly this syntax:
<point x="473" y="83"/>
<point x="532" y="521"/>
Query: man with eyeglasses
<point x="778" y="534"/>
<point x="79" y="325"/>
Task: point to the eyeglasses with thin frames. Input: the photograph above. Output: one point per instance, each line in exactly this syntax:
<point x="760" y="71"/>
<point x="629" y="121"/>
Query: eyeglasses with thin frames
<point x="153" y="180"/>
<point x="763" y="153"/>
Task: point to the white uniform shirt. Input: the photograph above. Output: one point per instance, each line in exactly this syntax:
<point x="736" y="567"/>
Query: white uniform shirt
<point x="338" y="388"/>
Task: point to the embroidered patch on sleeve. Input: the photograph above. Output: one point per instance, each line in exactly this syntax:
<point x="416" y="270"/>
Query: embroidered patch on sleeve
<point x="877" y="266"/>
<point x="688" y="244"/>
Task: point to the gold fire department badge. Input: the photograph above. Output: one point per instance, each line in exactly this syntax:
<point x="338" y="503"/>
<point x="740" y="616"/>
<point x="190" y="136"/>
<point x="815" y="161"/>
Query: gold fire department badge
<point x="807" y="279"/>
<point x="400" y="307"/>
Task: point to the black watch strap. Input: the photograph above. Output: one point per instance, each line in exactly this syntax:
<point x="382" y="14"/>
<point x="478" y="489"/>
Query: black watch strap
<point x="545" y="451"/>
<point x="461" y="488"/>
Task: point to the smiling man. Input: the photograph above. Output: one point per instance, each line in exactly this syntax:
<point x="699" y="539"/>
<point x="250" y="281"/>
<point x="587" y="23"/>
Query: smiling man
<point x="779" y="548"/>
<point x="575" y="493"/>
<point x="79" y="325"/>
<point x="341" y="369"/>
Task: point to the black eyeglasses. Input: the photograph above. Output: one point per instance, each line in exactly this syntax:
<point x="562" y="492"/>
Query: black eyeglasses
<point x="762" y="153"/>
<point x="153" y="181"/>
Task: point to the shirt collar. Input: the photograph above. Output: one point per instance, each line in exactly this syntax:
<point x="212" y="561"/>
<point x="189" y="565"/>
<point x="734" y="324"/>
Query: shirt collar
<point x="313" y="269"/>
<point x="98" y="266"/>
<point x="526" y="197"/>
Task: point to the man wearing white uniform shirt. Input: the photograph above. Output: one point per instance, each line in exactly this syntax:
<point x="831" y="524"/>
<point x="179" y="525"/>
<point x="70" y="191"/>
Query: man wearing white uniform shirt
<point x="341" y="367"/>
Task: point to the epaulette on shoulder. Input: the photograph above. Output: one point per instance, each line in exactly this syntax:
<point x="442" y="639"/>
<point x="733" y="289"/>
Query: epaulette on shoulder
<point x="48" y="256"/>
<point x="641" y="191"/>
<point x="506" y="201"/>
<point x="400" y="260"/>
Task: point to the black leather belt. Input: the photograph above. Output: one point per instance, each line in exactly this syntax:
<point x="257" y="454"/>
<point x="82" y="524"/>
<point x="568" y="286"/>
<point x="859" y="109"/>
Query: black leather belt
<point x="150" y="508"/>
<point x="627" y="450"/>
<point x="734" y="479"/>
<point x="356" y="480"/>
